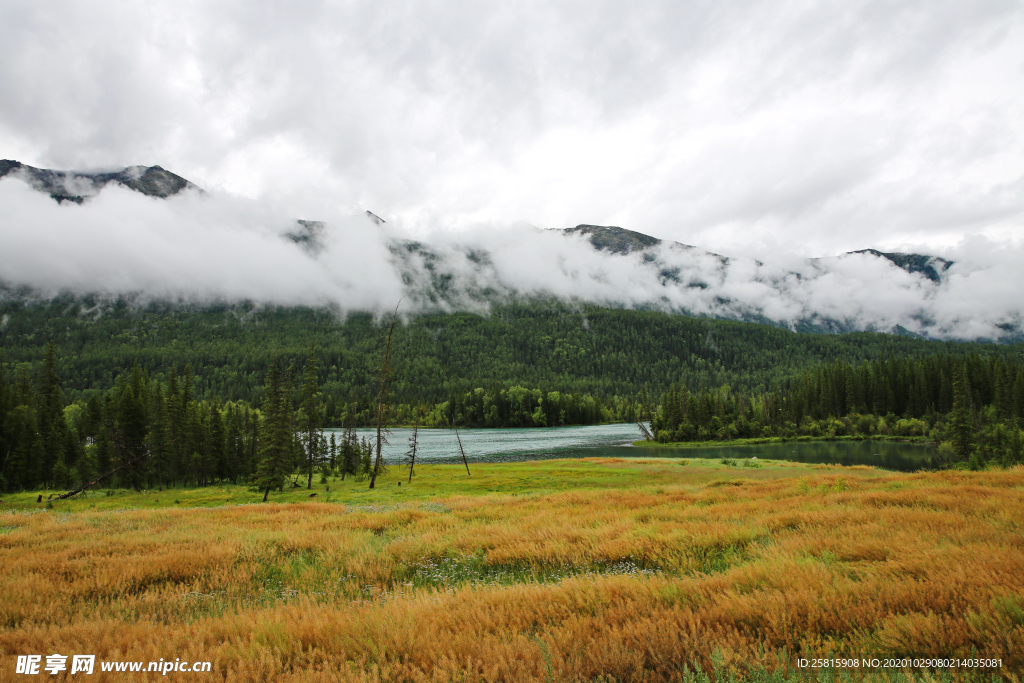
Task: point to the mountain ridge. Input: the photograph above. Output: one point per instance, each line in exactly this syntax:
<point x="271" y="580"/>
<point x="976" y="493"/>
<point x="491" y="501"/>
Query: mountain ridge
<point x="862" y="290"/>
<point x="78" y="186"/>
<point x="156" y="181"/>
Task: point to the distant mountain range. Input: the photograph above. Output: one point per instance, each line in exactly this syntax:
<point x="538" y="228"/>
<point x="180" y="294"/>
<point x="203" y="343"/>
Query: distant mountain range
<point x="77" y="186"/>
<point x="155" y="181"/>
<point x="621" y="241"/>
<point x="832" y="294"/>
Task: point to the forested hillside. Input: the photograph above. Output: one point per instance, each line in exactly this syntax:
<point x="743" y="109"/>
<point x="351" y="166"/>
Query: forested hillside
<point x="86" y="386"/>
<point x="602" y="352"/>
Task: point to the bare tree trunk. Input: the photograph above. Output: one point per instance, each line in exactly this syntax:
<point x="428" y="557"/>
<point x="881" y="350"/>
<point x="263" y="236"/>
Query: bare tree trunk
<point x="102" y="477"/>
<point x="117" y="444"/>
<point x="464" y="461"/>
<point x="645" y="412"/>
<point x="380" y="441"/>
<point x="309" y="457"/>
<point x="412" y="448"/>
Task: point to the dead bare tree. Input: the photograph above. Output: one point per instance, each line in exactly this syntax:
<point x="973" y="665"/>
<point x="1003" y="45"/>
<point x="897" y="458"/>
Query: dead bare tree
<point x="413" y="444"/>
<point x="464" y="461"/>
<point x="117" y="444"/>
<point x="645" y="415"/>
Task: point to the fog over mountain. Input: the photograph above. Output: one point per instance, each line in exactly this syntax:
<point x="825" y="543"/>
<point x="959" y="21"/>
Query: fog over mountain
<point x="122" y="236"/>
<point x="72" y="186"/>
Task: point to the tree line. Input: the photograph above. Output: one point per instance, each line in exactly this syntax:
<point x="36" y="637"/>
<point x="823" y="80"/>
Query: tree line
<point x="157" y="434"/>
<point x="160" y="430"/>
<point x="973" y="405"/>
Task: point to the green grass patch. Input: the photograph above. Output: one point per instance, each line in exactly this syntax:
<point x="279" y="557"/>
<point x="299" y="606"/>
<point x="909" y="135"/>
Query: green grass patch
<point x="431" y="482"/>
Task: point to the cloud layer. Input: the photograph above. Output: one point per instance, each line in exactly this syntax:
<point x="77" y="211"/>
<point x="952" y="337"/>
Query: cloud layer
<point x="746" y="127"/>
<point x="197" y="247"/>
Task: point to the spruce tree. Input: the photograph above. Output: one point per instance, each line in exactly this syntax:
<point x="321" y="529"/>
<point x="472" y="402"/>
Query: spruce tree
<point x="217" y="439"/>
<point x="383" y="401"/>
<point x="158" y="437"/>
<point x="351" y="453"/>
<point x="275" y="437"/>
<point x="50" y="411"/>
<point x="311" y="423"/>
<point x="1018" y="398"/>
<point x="131" y="427"/>
<point x="961" y="419"/>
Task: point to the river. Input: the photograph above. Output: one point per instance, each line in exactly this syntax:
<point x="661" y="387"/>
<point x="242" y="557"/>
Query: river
<point x="505" y="445"/>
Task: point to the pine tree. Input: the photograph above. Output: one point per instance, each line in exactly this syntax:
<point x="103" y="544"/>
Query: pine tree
<point x="50" y="412"/>
<point x="961" y="419"/>
<point x="1003" y="390"/>
<point x="350" y="453"/>
<point x="158" y="437"/>
<point x="311" y="424"/>
<point x="383" y="402"/>
<point x="275" y="438"/>
<point x="217" y="440"/>
<point x="1018" y="398"/>
<point x="6" y="405"/>
<point x="131" y="429"/>
<point x="365" y="452"/>
<point x="234" y="446"/>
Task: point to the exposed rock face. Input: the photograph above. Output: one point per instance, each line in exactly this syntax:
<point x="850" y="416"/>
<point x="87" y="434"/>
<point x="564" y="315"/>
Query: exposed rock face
<point x="309" y="236"/>
<point x="931" y="267"/>
<point x="614" y="239"/>
<point x="621" y="241"/>
<point x="73" y="186"/>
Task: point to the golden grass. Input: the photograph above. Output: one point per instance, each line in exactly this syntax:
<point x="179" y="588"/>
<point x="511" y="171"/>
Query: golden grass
<point x="633" y="583"/>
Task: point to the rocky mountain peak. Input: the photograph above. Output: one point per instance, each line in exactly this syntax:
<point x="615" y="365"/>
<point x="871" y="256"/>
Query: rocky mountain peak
<point x="78" y="186"/>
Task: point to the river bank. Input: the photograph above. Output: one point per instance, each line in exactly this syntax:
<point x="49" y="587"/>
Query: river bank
<point x="923" y="440"/>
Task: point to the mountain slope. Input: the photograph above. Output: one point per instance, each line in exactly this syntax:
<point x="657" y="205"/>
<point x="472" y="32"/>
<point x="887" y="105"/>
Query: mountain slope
<point x="548" y="345"/>
<point x="74" y="186"/>
<point x="232" y="252"/>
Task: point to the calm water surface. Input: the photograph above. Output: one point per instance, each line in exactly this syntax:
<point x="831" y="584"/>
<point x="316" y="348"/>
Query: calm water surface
<point x="505" y="445"/>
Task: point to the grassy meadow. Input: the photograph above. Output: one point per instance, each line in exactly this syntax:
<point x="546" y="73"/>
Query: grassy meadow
<point x="560" y="570"/>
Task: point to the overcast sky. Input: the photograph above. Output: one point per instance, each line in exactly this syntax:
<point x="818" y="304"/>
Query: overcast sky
<point x="740" y="127"/>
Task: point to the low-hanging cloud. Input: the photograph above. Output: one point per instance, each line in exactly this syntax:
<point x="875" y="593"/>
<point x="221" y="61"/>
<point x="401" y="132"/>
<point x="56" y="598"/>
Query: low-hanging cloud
<point x="191" y="247"/>
<point x="214" y="247"/>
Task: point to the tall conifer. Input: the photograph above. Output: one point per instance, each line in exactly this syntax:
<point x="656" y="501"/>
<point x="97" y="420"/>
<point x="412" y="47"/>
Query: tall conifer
<point x="311" y="423"/>
<point x="961" y="423"/>
<point x="275" y="439"/>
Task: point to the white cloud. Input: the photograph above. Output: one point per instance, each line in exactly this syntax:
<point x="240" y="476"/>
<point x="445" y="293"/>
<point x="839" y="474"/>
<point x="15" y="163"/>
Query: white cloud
<point x="824" y="126"/>
<point x="198" y="247"/>
<point x="194" y="247"/>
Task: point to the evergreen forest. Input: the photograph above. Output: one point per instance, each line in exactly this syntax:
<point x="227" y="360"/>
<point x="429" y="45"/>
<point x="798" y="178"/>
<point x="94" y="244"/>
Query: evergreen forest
<point x="973" y="406"/>
<point x="176" y="395"/>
